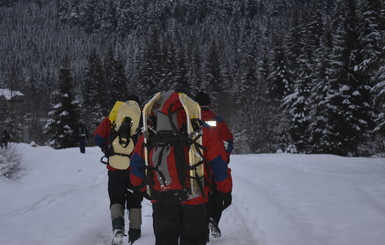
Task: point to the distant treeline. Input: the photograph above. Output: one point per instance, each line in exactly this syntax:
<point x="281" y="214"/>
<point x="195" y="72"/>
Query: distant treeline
<point x="303" y="75"/>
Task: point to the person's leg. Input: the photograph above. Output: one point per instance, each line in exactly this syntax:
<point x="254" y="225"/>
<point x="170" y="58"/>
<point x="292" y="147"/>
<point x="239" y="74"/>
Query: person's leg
<point x="194" y="228"/>
<point x="134" y="208"/>
<point x="215" y="210"/>
<point x="82" y="146"/>
<point x="214" y="213"/>
<point x="167" y="224"/>
<point x="117" y="192"/>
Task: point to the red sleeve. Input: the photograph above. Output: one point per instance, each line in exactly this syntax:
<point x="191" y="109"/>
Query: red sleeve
<point x="215" y="157"/>
<point x="224" y="131"/>
<point x="102" y="132"/>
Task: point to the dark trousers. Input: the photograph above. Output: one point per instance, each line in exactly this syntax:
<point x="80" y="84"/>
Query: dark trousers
<point x="214" y="207"/>
<point x="82" y="145"/>
<point x="180" y="224"/>
<point x="215" y="210"/>
<point x="118" y="185"/>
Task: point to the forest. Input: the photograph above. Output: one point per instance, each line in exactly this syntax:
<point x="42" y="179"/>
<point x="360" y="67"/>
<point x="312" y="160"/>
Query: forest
<point x="304" y="76"/>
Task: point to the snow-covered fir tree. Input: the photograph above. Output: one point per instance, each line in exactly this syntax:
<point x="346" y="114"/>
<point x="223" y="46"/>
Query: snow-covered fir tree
<point x="115" y="78"/>
<point x="95" y="93"/>
<point x="64" y="115"/>
<point x="349" y="114"/>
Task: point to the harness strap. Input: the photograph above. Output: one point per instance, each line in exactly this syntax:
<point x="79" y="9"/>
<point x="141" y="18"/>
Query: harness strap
<point x="198" y="178"/>
<point x="157" y="166"/>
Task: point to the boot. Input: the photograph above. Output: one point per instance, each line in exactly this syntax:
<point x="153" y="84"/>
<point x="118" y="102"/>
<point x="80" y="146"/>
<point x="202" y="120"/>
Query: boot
<point x="118" y="237"/>
<point x="117" y="218"/>
<point x="133" y="235"/>
<point x="214" y="229"/>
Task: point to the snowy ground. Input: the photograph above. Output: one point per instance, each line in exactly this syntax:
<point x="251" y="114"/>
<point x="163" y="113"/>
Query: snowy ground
<point x="278" y="199"/>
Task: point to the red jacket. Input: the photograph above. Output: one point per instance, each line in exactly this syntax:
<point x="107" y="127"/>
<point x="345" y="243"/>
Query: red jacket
<point x="220" y="127"/>
<point x="216" y="165"/>
<point x="101" y="136"/>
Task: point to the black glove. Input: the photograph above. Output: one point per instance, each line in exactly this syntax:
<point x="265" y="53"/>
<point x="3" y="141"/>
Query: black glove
<point x="105" y="151"/>
<point x="224" y="200"/>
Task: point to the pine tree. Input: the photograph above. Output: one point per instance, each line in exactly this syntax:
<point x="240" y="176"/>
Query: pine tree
<point x="293" y="43"/>
<point x="151" y="67"/>
<point x="278" y="86"/>
<point x="348" y="108"/>
<point x="370" y="35"/>
<point x="279" y="79"/>
<point x="109" y="71"/>
<point x="252" y="117"/>
<point x="181" y="76"/>
<point x="115" y="77"/>
<point x="118" y="83"/>
<point x="319" y="92"/>
<point x="213" y="82"/>
<point x="194" y="66"/>
<point x="297" y="107"/>
<point x="65" y="111"/>
<point x="379" y="104"/>
<point x="168" y="76"/>
<point x="95" y="93"/>
<point x="298" y="104"/>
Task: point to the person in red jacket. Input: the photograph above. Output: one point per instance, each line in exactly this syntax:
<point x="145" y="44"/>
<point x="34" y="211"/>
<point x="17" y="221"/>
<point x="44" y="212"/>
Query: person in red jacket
<point x="220" y="127"/>
<point x="185" y="222"/>
<point x="120" y="188"/>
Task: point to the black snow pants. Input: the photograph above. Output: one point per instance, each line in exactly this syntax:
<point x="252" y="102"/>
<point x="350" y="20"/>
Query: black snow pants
<point x="214" y="206"/>
<point x="118" y="185"/>
<point x="180" y="224"/>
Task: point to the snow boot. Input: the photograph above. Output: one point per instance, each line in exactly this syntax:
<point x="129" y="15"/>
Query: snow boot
<point x="117" y="217"/>
<point x="118" y="237"/>
<point x="214" y="229"/>
<point x="133" y="235"/>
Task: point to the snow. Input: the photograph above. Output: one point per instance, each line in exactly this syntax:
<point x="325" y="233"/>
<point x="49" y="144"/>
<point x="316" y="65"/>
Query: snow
<point x="278" y="199"/>
<point x="8" y="94"/>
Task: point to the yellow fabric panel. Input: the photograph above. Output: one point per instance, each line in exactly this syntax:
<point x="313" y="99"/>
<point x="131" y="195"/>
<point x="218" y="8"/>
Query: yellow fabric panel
<point x="114" y="110"/>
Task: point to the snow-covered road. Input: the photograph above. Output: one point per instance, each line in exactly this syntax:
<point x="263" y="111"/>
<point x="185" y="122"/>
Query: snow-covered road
<point x="278" y="199"/>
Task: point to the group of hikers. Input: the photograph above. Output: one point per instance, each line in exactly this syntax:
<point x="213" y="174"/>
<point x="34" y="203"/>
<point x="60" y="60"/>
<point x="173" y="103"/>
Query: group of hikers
<point x="151" y="158"/>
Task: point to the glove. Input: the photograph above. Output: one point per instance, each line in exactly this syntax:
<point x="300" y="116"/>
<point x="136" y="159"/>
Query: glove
<point x="224" y="200"/>
<point x="105" y="150"/>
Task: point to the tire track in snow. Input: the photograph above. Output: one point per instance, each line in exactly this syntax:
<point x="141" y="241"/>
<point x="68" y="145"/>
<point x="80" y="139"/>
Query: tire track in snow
<point x="39" y="204"/>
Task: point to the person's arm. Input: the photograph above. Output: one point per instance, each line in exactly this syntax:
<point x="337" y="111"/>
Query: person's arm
<point x="215" y="156"/>
<point x="102" y="133"/>
<point x="137" y="164"/>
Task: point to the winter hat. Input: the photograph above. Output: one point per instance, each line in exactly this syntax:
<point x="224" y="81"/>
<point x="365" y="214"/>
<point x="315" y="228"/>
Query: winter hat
<point x="203" y="99"/>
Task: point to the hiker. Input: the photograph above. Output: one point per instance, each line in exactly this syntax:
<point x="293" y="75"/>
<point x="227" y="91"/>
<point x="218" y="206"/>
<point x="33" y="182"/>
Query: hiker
<point x="119" y="184"/>
<point x="224" y="134"/>
<point x="178" y="216"/>
<point x="5" y="138"/>
<point x="82" y="136"/>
